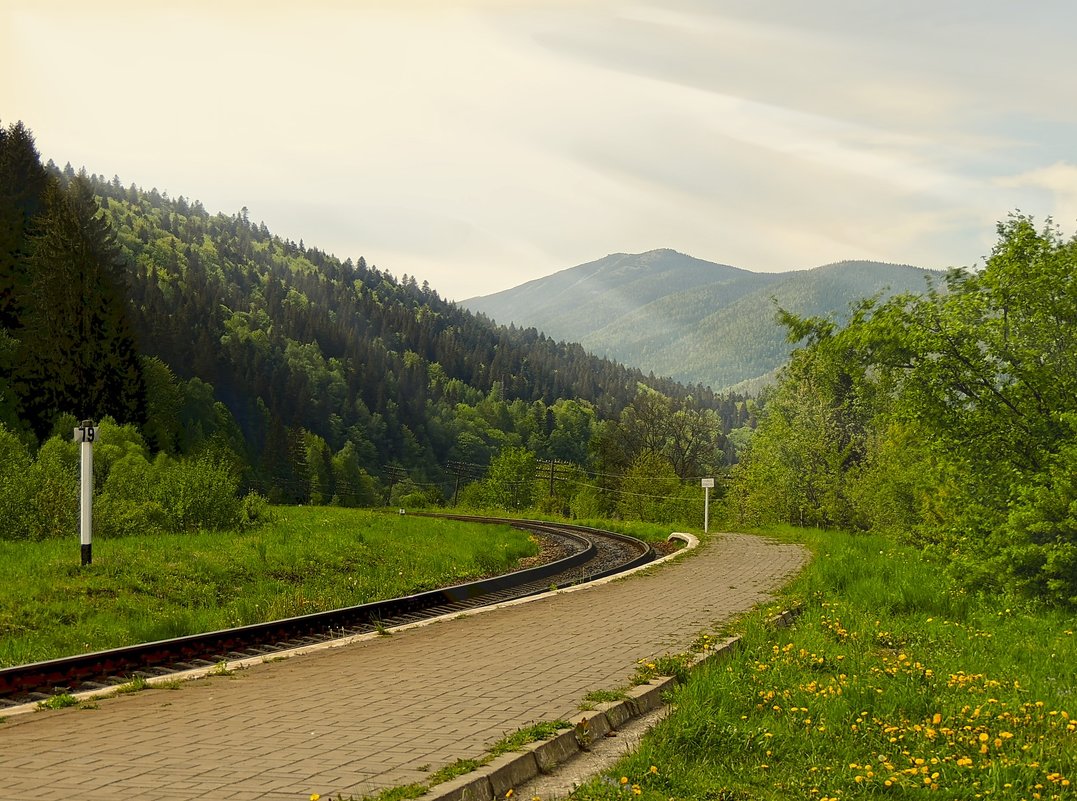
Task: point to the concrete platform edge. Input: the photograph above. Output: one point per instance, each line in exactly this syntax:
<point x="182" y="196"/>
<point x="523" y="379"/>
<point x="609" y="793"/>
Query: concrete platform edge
<point x="499" y="777"/>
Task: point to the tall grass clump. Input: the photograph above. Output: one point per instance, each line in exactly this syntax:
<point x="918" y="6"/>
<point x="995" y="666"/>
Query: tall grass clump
<point x="892" y="682"/>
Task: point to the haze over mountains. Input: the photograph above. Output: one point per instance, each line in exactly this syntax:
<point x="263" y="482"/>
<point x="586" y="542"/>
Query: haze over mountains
<point x="693" y="320"/>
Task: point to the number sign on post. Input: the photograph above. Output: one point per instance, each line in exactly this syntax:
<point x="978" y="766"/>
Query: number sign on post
<point x="707" y="484"/>
<point x="86" y="434"/>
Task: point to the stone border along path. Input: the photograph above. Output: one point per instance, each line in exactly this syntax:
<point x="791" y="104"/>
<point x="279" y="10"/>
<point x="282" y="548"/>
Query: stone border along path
<point x="386" y="711"/>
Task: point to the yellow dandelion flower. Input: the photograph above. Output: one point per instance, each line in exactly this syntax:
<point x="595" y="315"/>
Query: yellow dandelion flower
<point x="624" y="780"/>
<point x="315" y="796"/>
<point x="654" y="769"/>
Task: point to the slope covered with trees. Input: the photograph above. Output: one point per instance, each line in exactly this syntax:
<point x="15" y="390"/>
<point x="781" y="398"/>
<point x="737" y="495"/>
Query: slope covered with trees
<point x="309" y="378"/>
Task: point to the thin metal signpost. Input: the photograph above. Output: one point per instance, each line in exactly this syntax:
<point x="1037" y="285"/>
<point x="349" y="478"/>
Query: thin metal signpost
<point x="86" y="434"/>
<point x="707" y="484"/>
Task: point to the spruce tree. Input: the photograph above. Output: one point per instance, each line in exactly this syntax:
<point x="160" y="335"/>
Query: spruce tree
<point x="77" y="352"/>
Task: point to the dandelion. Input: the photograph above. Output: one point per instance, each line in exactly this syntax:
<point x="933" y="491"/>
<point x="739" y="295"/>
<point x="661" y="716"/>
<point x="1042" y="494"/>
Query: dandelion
<point x="654" y="769"/>
<point x="315" y="796"/>
<point x="624" y="780"/>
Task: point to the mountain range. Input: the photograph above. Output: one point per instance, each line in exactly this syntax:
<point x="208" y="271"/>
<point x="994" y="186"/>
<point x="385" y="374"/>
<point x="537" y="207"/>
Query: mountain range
<point x="695" y="321"/>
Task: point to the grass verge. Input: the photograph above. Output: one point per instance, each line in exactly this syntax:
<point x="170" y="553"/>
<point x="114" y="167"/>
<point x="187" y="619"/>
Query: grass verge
<point x="308" y="559"/>
<point x="892" y="683"/>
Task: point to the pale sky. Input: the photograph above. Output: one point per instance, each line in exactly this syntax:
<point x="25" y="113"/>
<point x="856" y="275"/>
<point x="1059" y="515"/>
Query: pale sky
<point x="484" y="143"/>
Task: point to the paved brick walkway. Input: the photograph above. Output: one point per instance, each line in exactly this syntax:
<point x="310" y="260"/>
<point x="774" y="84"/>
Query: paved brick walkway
<point x="385" y="711"/>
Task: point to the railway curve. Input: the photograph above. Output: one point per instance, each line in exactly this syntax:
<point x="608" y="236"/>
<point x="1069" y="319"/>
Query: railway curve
<point x="594" y="554"/>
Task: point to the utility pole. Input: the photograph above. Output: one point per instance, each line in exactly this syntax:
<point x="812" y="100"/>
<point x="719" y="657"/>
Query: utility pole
<point x="395" y="474"/>
<point x="553" y="463"/>
<point x="458" y="470"/>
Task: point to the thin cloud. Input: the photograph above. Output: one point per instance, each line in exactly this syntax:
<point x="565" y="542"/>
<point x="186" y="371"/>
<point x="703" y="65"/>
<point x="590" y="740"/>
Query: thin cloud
<point x="485" y="143"/>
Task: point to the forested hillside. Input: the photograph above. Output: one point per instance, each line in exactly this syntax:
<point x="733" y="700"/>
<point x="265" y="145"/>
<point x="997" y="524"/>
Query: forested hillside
<point x="695" y="320"/>
<point x="317" y="379"/>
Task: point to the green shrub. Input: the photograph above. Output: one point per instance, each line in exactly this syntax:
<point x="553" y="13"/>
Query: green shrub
<point x="15" y="486"/>
<point x="413" y="500"/>
<point x="117" y="517"/>
<point x="198" y="493"/>
<point x="114" y="444"/>
<point x="54" y="479"/>
<point x="254" y="510"/>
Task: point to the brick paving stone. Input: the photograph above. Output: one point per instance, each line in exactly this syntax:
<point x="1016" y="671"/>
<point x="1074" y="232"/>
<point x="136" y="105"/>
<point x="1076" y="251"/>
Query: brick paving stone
<point x="359" y="718"/>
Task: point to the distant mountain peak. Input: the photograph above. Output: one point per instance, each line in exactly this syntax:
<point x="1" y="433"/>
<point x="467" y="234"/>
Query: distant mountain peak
<point x="699" y="321"/>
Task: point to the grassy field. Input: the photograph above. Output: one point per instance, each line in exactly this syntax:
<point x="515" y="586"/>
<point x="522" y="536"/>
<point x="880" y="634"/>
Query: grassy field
<point x="893" y="683"/>
<point x="306" y="559"/>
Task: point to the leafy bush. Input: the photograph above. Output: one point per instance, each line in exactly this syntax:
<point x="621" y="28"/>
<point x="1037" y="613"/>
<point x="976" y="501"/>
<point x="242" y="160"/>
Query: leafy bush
<point x="54" y="481"/>
<point x="254" y="510"/>
<point x="39" y="498"/>
<point x="198" y="493"/>
<point x="116" y="517"/>
<point x="15" y="486"/>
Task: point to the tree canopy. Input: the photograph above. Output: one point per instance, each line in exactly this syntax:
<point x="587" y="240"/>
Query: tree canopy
<point x="951" y="417"/>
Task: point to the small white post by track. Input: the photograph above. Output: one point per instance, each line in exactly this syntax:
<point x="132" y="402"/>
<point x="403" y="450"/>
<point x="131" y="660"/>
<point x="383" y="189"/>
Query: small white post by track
<point x="707" y="484"/>
<point x="86" y="434"/>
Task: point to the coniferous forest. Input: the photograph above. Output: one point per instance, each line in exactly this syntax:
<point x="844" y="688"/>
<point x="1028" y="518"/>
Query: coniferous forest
<point x="215" y="352"/>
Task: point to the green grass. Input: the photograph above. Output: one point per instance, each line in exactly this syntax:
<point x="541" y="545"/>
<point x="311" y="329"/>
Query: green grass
<point x="605" y="696"/>
<point x="461" y="767"/>
<point x="58" y="701"/>
<point x="508" y="744"/>
<point x="307" y="559"/>
<point x="892" y="683"/>
<point x="527" y="735"/>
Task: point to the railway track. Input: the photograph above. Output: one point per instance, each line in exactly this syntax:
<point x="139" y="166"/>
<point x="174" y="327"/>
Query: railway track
<point x="593" y="554"/>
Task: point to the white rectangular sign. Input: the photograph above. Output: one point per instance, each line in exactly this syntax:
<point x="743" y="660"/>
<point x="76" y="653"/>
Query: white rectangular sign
<point x="707" y="483"/>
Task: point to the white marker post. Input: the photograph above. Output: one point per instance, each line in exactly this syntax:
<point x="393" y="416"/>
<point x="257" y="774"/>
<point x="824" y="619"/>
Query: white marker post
<point x="706" y="483"/>
<point x="86" y="434"/>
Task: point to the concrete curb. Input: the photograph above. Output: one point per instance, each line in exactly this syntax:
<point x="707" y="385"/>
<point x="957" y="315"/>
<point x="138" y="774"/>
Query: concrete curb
<point x="690" y="543"/>
<point x="496" y="779"/>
